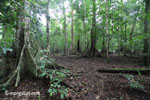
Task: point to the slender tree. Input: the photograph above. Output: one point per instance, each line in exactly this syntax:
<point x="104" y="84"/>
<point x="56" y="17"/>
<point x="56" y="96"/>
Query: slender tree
<point x="107" y="30"/>
<point x="64" y="30"/>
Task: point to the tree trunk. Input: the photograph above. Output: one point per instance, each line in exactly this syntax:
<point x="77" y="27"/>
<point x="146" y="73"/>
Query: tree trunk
<point x="19" y="39"/>
<point x="47" y="28"/>
<point x="24" y="60"/>
<point x="64" y="31"/>
<point x="146" y="31"/>
<point x="103" y="50"/>
<point x="72" y="31"/>
<point x="84" y="24"/>
<point x="93" y="31"/>
<point x="107" y="30"/>
<point x="85" y="34"/>
<point x="92" y="51"/>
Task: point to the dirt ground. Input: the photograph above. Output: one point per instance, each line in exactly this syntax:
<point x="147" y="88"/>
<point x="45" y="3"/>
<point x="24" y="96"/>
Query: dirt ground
<point x="87" y="83"/>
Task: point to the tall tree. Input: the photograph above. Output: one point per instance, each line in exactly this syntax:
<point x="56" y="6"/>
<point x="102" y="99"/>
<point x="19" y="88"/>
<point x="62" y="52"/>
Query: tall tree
<point x="83" y="22"/>
<point x="72" y="29"/>
<point x="47" y="27"/>
<point x="146" y="31"/>
<point x="93" y="49"/>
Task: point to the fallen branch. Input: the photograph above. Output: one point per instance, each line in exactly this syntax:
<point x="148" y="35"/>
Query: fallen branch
<point x="125" y="70"/>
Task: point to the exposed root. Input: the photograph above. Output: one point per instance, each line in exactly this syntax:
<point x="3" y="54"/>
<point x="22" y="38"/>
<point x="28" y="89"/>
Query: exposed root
<point x="12" y="76"/>
<point x="19" y="66"/>
<point x="15" y="75"/>
<point x="6" y="78"/>
<point x="8" y="82"/>
<point x="89" y="53"/>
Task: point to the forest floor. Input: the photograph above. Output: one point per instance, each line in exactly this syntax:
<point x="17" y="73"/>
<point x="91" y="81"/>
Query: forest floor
<point x="87" y="83"/>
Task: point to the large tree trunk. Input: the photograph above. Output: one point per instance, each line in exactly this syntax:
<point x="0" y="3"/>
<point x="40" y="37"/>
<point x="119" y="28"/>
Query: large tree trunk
<point x="47" y="27"/>
<point x="85" y="33"/>
<point x="93" y="31"/>
<point x="103" y="50"/>
<point x="64" y="30"/>
<point x="92" y="51"/>
<point x="84" y="24"/>
<point x="24" y="59"/>
<point x="72" y="51"/>
<point x="146" y="31"/>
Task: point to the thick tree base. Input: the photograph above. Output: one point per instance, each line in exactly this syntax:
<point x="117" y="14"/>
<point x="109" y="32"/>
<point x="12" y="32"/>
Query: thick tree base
<point x="90" y="53"/>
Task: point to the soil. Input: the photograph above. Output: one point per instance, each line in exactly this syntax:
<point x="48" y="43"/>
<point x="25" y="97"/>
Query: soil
<point x="87" y="83"/>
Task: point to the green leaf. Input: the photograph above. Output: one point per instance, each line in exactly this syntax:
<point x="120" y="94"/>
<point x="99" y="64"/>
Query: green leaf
<point x="62" y="96"/>
<point x="0" y="37"/>
<point x="1" y="14"/>
<point x="49" y="90"/>
<point x="43" y="74"/>
<point x="30" y="0"/>
<point x="51" y="93"/>
<point x="8" y="4"/>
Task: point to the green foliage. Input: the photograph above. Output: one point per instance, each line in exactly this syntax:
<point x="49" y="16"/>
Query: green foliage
<point x="56" y="88"/>
<point x="133" y="83"/>
<point x="55" y="75"/>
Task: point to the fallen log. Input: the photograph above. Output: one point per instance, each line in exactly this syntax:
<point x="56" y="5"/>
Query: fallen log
<point x="139" y="71"/>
